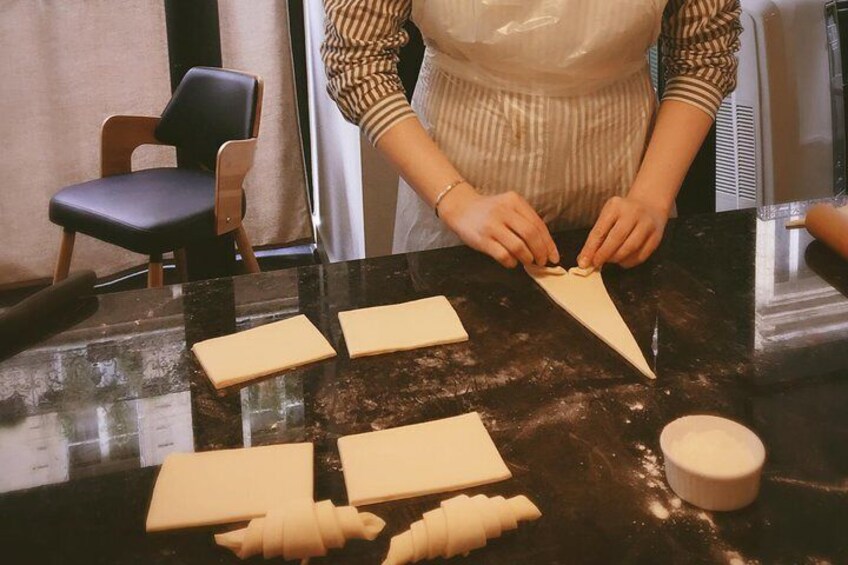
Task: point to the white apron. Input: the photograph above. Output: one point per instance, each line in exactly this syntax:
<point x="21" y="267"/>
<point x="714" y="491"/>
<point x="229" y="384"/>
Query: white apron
<point x="549" y="98"/>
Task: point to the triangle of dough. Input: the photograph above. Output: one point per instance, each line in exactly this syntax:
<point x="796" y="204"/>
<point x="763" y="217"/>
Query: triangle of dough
<point x="585" y="297"/>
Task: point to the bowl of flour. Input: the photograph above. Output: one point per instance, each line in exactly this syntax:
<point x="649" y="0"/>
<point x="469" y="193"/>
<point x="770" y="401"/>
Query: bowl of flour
<point x="712" y="462"/>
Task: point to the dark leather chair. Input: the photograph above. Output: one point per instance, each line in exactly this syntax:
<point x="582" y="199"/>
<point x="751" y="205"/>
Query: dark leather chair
<point x="213" y="118"/>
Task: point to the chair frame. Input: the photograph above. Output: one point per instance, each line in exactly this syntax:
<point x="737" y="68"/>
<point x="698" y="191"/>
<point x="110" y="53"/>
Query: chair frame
<point x="121" y="135"/>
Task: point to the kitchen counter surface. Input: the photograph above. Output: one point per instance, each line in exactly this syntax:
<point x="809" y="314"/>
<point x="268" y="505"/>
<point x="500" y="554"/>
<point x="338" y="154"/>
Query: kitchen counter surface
<point x="739" y="317"/>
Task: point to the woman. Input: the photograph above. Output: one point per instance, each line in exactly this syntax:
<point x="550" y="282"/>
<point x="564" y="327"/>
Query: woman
<point x="532" y="114"/>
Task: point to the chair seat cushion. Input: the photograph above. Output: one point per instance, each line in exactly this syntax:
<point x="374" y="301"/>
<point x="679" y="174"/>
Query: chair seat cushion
<point x="149" y="211"/>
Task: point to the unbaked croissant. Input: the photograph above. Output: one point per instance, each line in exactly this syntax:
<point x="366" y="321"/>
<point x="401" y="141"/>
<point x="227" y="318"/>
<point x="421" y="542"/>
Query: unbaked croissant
<point x="301" y="529"/>
<point x="460" y="525"/>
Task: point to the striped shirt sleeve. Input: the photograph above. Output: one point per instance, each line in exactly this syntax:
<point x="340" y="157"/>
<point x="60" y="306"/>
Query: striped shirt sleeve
<point x="360" y="52"/>
<point x="699" y="40"/>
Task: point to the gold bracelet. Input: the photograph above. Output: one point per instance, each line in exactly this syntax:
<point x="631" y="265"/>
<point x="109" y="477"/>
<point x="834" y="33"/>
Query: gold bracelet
<point x="444" y="193"/>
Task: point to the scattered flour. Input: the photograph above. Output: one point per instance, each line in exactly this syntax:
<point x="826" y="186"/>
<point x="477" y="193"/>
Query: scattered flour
<point x="637" y="407"/>
<point x="706" y="518"/>
<point x="734" y="558"/>
<point x="658" y="510"/>
<point x="651" y="474"/>
<point x="663" y="504"/>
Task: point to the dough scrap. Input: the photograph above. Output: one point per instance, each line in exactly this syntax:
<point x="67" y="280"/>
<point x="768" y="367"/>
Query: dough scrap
<point x="300" y="529"/>
<point x="581" y="271"/>
<point x="401" y="327"/>
<point x="226" y="486"/>
<point x="409" y="461"/>
<point x="459" y="526"/>
<point x="587" y="300"/>
<point x="262" y="351"/>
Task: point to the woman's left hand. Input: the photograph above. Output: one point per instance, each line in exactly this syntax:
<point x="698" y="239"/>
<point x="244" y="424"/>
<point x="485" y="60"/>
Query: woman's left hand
<point x="627" y="232"/>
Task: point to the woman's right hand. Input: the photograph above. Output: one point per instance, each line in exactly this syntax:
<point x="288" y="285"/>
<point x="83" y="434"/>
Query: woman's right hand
<point x="503" y="226"/>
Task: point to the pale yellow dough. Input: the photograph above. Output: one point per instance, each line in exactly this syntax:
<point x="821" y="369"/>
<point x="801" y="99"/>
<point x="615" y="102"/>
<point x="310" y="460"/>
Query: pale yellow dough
<point x="459" y="526"/>
<point x="587" y="300"/>
<point x="262" y="351"/>
<point x="226" y="486"/>
<point x="301" y="529"/>
<point x="439" y="456"/>
<point x="401" y="327"/>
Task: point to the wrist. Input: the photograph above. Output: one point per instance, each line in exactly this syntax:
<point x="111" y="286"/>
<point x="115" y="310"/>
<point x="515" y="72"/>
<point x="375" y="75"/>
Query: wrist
<point x="660" y="201"/>
<point x="454" y="201"/>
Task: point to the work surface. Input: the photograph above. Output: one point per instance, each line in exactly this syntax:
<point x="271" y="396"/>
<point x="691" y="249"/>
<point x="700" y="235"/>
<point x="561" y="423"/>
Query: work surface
<point x="739" y="317"/>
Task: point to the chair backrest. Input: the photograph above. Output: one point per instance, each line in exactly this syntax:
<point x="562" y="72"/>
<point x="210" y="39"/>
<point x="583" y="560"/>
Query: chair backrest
<point x="210" y="107"/>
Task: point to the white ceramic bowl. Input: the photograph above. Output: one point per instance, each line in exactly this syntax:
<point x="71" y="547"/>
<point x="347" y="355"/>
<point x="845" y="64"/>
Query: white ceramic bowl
<point x="709" y="486"/>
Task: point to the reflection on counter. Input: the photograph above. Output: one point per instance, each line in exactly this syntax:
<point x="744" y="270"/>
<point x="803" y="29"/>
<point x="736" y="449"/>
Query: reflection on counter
<point x="794" y="305"/>
<point x="55" y="447"/>
<point x="273" y="411"/>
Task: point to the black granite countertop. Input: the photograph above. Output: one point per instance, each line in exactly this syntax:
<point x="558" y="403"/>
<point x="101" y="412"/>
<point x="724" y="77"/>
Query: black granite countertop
<point x="740" y="318"/>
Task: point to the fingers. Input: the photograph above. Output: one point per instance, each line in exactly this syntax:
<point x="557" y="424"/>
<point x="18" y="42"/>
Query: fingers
<point x="542" y="232"/>
<point x="616" y="236"/>
<point x="634" y="242"/>
<point x="516" y="246"/>
<point x="599" y="232"/>
<point x="499" y="253"/>
<point x="530" y="236"/>
<point x="642" y="255"/>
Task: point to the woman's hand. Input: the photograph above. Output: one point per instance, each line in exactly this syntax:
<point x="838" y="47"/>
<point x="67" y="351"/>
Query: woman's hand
<point x="503" y="226"/>
<point x="627" y="232"/>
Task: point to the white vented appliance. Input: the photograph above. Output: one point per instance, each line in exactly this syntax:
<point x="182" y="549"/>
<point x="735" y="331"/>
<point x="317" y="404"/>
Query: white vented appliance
<point x="775" y="132"/>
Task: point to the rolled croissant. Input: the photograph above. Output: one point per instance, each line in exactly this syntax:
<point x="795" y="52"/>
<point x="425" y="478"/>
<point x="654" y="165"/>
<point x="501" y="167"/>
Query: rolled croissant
<point x="460" y="525"/>
<point x="301" y="529"/>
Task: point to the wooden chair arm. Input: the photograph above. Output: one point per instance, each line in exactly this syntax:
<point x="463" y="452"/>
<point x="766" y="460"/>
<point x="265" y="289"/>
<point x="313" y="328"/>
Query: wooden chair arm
<point x="119" y="137"/>
<point x="235" y="159"/>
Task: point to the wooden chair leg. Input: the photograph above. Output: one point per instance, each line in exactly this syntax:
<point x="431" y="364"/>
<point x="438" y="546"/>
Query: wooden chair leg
<point x="182" y="264"/>
<point x="66" y="249"/>
<point x="246" y="250"/>
<point x="155" y="275"/>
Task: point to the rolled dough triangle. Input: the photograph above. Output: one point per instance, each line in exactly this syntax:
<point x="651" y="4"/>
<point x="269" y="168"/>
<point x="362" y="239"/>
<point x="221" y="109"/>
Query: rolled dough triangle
<point x="587" y="300"/>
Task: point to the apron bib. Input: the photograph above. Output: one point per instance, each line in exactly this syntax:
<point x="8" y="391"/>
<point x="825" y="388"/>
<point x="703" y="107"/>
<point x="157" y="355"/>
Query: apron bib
<point x="549" y="98"/>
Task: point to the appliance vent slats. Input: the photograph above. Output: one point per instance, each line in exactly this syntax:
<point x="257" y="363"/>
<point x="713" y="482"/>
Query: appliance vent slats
<point x="736" y="149"/>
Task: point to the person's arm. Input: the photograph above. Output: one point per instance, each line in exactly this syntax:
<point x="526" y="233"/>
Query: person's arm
<point x="503" y="226"/>
<point x="699" y="41"/>
<point x="360" y="53"/>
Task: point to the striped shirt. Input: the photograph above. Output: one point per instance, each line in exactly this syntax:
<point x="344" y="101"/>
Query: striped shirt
<point x="363" y="39"/>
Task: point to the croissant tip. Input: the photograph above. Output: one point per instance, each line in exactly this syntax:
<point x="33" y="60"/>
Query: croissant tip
<point x="527" y="511"/>
<point x="373" y="525"/>
<point x="228" y="540"/>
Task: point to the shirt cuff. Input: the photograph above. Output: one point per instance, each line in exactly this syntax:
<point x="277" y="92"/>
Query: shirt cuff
<point x="695" y="91"/>
<point x="385" y="114"/>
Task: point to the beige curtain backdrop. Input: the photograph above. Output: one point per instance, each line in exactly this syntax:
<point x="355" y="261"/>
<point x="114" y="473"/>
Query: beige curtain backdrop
<point x="67" y="65"/>
<point x="255" y="38"/>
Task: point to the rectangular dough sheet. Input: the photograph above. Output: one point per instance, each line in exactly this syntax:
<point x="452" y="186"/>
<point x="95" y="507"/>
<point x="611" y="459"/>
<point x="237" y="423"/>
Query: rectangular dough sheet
<point x="226" y="486"/>
<point x="261" y="351"/>
<point x="585" y="297"/>
<point x="433" y="457"/>
<point x="401" y="327"/>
